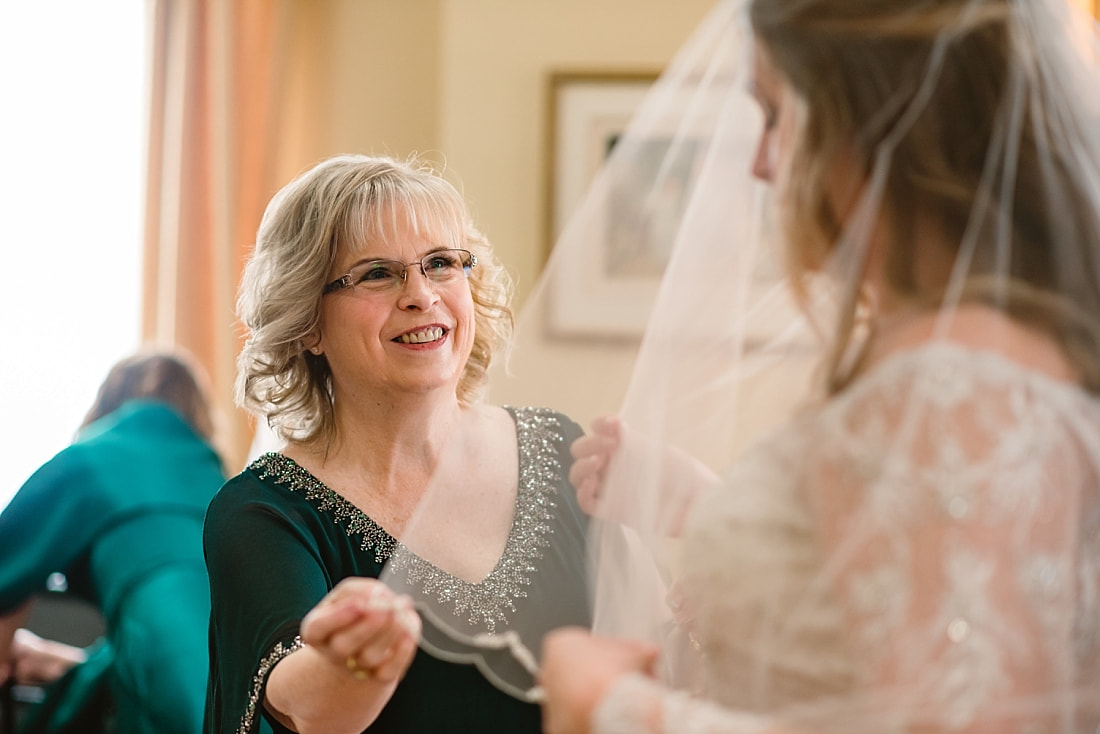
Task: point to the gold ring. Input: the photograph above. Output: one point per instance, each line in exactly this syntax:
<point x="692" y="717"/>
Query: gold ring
<point x="353" y="666"/>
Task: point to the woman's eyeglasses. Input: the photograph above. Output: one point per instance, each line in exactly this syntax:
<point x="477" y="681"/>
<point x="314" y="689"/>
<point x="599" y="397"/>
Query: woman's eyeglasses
<point x="441" y="266"/>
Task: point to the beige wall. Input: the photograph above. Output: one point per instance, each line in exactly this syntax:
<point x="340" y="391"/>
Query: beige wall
<point x="361" y="77"/>
<point x="384" y="85"/>
<point x="496" y="58"/>
<point x="465" y="81"/>
<point x="497" y="55"/>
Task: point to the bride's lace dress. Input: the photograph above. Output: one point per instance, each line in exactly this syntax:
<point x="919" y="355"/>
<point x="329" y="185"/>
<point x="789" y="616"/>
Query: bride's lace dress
<point x="921" y="554"/>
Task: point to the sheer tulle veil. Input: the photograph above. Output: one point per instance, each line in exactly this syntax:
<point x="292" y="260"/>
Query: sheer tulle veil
<point x="761" y="314"/>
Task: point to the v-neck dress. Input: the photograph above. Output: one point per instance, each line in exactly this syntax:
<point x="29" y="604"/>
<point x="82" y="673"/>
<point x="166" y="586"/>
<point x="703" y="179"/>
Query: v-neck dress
<point x="277" y="540"/>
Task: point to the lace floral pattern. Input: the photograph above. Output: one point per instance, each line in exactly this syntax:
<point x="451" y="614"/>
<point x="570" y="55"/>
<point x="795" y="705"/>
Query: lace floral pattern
<point x="937" y="526"/>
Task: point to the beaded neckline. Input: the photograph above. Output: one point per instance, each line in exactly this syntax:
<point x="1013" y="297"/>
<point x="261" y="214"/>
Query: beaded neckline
<point x="490" y="602"/>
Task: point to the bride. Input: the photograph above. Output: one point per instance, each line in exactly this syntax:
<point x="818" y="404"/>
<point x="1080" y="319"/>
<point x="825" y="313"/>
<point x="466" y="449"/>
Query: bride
<point x="916" y="546"/>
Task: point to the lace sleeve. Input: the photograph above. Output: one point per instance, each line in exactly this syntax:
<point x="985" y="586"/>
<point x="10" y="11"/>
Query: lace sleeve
<point x="921" y="556"/>
<point x="636" y="704"/>
<point x="948" y="503"/>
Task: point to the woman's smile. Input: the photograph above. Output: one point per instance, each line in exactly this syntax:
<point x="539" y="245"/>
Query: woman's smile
<point x="425" y="335"/>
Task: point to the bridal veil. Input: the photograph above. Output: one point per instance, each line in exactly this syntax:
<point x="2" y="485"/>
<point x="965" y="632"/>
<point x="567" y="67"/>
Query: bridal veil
<point x="964" y="133"/>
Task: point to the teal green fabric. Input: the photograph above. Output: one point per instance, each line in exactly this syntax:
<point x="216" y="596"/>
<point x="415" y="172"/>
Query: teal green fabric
<point x="120" y="513"/>
<point x="277" y="540"/>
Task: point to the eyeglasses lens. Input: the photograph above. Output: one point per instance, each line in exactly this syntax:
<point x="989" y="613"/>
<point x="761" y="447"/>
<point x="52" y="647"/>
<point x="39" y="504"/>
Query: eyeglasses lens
<point x="438" y="267"/>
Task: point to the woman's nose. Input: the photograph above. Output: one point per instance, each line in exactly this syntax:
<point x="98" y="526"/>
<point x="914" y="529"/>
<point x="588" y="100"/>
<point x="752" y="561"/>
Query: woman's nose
<point x="762" y="161"/>
<point x="417" y="292"/>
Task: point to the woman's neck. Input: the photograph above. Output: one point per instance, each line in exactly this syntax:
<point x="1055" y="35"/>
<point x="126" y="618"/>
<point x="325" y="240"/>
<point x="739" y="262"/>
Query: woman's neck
<point x="396" y="444"/>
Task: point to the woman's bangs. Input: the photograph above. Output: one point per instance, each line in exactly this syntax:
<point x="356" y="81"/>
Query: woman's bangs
<point x="425" y="214"/>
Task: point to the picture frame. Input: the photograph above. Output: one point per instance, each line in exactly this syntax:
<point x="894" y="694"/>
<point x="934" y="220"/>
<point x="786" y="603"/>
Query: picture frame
<point x="588" y="111"/>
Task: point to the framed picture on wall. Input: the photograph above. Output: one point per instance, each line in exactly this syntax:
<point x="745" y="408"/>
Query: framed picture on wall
<point x="589" y="111"/>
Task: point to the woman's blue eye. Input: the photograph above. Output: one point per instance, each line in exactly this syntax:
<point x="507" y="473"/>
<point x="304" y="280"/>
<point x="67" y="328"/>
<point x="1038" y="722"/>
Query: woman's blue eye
<point x="439" y="262"/>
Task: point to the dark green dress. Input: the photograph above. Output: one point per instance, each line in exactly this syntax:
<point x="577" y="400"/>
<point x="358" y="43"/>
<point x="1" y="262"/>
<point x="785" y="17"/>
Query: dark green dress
<point x="120" y="513"/>
<point x="277" y="540"/>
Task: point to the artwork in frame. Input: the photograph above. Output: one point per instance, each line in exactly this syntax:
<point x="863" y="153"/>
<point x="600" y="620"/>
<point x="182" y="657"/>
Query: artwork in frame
<point x="607" y="293"/>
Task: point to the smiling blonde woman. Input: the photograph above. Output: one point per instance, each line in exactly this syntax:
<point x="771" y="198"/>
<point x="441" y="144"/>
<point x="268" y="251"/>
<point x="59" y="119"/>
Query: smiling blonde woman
<point x="374" y="307"/>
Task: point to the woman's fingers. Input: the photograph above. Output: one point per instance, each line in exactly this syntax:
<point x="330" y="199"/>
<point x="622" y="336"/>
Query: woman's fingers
<point x="387" y="653"/>
<point x="610" y="427"/>
<point x="361" y="625"/>
<point x="365" y="628"/>
<point x="588" y="446"/>
<point x="397" y="661"/>
<point x="586" y="470"/>
<point x="592" y="454"/>
<point x="368" y="638"/>
<point x="326" y="619"/>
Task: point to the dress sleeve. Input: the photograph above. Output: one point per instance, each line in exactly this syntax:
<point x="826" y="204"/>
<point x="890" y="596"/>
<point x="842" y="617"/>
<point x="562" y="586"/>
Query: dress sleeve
<point x="636" y="704"/>
<point x="266" y="564"/>
<point x="46" y="526"/>
<point x="949" y="499"/>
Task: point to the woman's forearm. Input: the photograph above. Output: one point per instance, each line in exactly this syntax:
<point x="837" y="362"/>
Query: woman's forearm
<point x="9" y="623"/>
<point x="308" y="693"/>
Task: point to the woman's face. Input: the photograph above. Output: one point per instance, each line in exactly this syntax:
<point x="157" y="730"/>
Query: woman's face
<point x="413" y="339"/>
<point x="780" y="104"/>
<point x="772" y="93"/>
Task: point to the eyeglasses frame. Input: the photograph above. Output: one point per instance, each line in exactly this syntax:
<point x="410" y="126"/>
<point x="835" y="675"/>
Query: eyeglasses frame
<point x="345" y="281"/>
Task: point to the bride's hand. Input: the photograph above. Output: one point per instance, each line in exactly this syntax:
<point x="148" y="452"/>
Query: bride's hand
<point x="592" y="453"/>
<point x="577" y="671"/>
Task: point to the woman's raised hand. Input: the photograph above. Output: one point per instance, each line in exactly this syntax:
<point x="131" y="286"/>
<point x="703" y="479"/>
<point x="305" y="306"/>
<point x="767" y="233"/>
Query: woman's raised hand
<point x="361" y="625"/>
<point x="674" y="475"/>
<point x="592" y="453"/>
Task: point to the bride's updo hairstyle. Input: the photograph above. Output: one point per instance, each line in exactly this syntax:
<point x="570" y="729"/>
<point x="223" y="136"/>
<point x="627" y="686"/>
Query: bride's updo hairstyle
<point x="957" y="119"/>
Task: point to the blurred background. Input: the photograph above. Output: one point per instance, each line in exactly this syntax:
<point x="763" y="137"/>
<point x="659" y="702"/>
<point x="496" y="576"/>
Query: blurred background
<point x="142" y="139"/>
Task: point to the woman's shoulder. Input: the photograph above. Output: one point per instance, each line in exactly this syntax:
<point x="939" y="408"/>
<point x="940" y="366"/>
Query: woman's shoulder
<point x="983" y="372"/>
<point x="975" y="343"/>
<point x="261" y="481"/>
<point x="544" y="420"/>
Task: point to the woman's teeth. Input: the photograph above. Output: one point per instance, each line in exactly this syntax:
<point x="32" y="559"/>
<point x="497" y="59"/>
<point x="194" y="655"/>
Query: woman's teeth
<point x="422" y="336"/>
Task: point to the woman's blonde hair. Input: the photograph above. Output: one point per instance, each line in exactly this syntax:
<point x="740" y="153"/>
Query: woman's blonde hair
<point x="341" y="205"/>
<point x="865" y="70"/>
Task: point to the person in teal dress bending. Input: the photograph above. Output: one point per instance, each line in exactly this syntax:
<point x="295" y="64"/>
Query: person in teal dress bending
<point x="119" y="512"/>
<point x="374" y="307"/>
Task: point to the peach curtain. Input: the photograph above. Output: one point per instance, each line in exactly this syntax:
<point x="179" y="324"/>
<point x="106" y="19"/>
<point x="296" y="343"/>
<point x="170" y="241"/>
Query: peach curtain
<point x="216" y="89"/>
